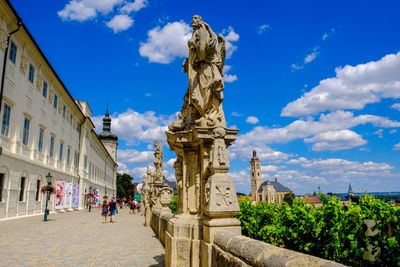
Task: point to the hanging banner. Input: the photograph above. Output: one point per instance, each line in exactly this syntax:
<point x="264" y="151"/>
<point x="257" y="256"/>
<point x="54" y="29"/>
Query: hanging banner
<point x="75" y="196"/>
<point x="96" y="196"/>
<point x="68" y="196"/>
<point x="59" y="195"/>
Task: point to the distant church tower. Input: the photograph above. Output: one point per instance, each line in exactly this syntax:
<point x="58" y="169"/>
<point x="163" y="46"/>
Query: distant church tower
<point x="255" y="172"/>
<point x="109" y="140"/>
<point x="350" y="192"/>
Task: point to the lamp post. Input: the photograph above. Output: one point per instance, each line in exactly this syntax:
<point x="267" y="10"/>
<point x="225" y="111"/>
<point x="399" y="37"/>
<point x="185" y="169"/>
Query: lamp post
<point x="46" y="210"/>
<point x="90" y="199"/>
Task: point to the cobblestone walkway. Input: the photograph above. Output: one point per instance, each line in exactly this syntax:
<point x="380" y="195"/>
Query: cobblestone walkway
<point x="79" y="239"/>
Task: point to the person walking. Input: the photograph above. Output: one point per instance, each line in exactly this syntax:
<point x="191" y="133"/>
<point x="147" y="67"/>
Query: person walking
<point x="132" y="207"/>
<point x="112" y="209"/>
<point x="104" y="210"/>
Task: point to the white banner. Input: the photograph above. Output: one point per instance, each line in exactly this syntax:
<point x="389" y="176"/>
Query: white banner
<point x="68" y="196"/>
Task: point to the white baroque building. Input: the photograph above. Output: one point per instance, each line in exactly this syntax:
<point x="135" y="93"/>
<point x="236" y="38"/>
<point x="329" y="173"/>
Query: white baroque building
<point x="45" y="130"/>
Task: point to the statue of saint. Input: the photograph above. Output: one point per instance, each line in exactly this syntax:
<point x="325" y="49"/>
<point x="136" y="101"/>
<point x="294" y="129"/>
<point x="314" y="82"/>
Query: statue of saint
<point x="158" y="162"/>
<point x="204" y="66"/>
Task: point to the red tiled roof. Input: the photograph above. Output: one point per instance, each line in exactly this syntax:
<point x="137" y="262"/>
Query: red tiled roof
<point x="312" y="199"/>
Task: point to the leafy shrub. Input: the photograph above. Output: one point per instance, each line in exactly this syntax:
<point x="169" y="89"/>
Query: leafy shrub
<point x="333" y="232"/>
<point x="174" y="205"/>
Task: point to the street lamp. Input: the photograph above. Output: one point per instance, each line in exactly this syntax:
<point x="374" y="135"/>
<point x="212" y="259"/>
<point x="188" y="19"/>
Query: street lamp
<point x="90" y="199"/>
<point x="46" y="210"/>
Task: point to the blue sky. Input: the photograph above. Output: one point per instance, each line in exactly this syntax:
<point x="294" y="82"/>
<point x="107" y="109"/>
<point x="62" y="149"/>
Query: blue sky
<point x="313" y="86"/>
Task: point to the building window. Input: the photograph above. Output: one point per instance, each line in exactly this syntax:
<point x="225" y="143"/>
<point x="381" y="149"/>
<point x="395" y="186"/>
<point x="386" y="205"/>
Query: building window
<point x="22" y="189"/>
<point x="64" y="111"/>
<point x="44" y="89"/>
<point x="13" y="52"/>
<point x="55" y="101"/>
<point x="85" y="163"/>
<point x="87" y="134"/>
<point x="78" y="128"/>
<point x="76" y="159"/>
<point x="68" y="155"/>
<point x="61" y="150"/>
<point x="70" y="119"/>
<point x="25" y="135"/>
<point x="40" y="145"/>
<point x="37" y="190"/>
<point x="1" y="186"/>
<point x="31" y="73"/>
<point x="51" y="146"/>
<point x="5" y="125"/>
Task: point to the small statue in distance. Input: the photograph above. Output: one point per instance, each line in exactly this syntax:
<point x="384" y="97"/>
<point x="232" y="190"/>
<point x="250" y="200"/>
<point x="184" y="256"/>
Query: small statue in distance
<point x="204" y="66"/>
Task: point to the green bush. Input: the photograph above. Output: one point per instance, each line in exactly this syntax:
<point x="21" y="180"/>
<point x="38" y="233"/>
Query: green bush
<point x="174" y="204"/>
<point x="333" y="232"/>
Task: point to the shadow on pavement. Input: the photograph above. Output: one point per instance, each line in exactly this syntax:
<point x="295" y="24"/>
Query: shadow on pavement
<point x="160" y="260"/>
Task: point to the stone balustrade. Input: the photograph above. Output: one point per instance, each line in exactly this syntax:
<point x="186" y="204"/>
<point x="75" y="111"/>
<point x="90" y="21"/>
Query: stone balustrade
<point x="230" y="249"/>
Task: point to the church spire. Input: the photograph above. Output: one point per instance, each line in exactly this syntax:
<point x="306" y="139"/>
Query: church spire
<point x="107" y="122"/>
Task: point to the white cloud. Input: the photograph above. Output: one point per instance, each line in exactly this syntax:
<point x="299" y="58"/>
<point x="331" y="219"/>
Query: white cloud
<point x="240" y="177"/>
<point x="288" y="175"/>
<point x="133" y="7"/>
<point x="352" y="88"/>
<point x="327" y="34"/>
<point x="230" y="38"/>
<point x="134" y="127"/>
<point x="135" y="156"/>
<point x="147" y="94"/>
<point x="396" y="106"/>
<point x="336" y="121"/>
<point x="339" y="165"/>
<point x="228" y="78"/>
<point x="269" y="168"/>
<point x="82" y="10"/>
<point x="170" y="162"/>
<point x="379" y="133"/>
<point x="393" y="131"/>
<point x="252" y="120"/>
<point x="164" y="44"/>
<point x="336" y="140"/>
<point x="396" y="146"/>
<point x="310" y="57"/>
<point x="242" y="149"/>
<point x="296" y="67"/>
<point x="262" y="28"/>
<point x="120" y="23"/>
<point x="236" y="114"/>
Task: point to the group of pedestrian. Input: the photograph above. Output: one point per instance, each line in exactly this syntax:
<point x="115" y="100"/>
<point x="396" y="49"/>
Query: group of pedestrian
<point x="133" y="206"/>
<point x="109" y="209"/>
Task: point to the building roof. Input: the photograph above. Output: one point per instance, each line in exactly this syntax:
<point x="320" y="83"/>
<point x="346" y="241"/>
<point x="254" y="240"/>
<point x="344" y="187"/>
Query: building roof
<point x="312" y="199"/>
<point x="277" y="186"/>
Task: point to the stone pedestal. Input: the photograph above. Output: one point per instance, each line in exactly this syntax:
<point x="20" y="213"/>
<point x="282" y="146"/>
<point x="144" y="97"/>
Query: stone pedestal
<point x="207" y="196"/>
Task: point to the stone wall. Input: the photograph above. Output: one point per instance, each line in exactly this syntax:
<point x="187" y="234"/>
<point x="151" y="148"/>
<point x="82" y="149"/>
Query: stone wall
<point x="237" y="250"/>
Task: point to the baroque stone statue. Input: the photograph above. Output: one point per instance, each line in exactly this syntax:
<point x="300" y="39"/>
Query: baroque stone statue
<point x="207" y="201"/>
<point x="204" y="66"/>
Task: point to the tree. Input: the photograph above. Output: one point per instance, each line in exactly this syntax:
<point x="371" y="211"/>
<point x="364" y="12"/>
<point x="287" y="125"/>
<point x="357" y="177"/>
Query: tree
<point x="125" y="187"/>
<point x="288" y="198"/>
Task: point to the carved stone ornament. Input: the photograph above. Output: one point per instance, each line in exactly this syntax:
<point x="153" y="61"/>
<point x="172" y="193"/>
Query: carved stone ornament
<point x="224" y="196"/>
<point x="24" y="64"/>
<point x="51" y="97"/>
<point x="166" y="194"/>
<point x="3" y="39"/>
<point x="207" y="193"/>
<point x="39" y="83"/>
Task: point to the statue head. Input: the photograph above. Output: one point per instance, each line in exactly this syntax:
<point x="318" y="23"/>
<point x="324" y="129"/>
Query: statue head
<point x="196" y="21"/>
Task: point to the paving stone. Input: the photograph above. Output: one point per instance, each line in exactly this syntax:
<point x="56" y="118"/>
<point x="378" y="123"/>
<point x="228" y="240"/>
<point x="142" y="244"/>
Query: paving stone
<point x="79" y="239"/>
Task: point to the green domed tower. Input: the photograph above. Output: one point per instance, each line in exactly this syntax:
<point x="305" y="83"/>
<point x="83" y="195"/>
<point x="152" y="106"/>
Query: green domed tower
<point x="109" y="140"/>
